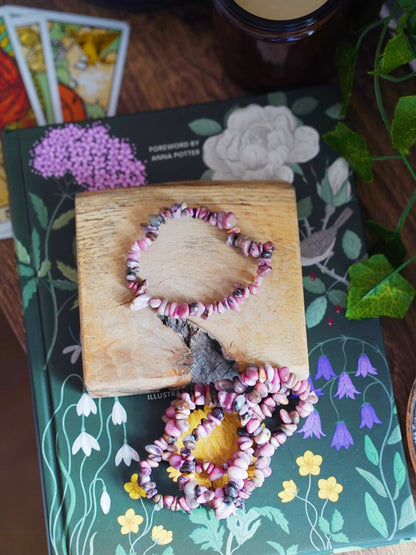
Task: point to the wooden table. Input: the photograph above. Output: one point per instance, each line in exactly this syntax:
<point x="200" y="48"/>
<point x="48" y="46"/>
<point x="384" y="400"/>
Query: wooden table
<point x="172" y="61"/>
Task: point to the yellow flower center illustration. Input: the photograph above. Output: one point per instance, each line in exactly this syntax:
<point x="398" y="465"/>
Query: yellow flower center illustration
<point x="309" y="464"/>
<point x="329" y="489"/>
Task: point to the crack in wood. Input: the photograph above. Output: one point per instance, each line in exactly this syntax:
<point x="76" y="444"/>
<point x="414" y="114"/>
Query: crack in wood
<point x="208" y="361"/>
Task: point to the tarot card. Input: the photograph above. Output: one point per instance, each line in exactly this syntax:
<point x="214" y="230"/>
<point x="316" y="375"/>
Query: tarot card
<point x="19" y="107"/>
<point x="30" y="40"/>
<point x="89" y="55"/>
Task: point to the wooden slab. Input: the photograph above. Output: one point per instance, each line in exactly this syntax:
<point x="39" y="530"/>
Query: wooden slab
<point x="127" y="352"/>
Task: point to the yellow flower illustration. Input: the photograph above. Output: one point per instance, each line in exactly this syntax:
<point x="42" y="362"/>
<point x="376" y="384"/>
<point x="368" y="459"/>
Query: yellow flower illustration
<point x="161" y="536"/>
<point x="133" y="489"/>
<point x="129" y="522"/>
<point x="218" y="447"/>
<point x="289" y="492"/>
<point x="309" y="464"/>
<point x="329" y="489"/>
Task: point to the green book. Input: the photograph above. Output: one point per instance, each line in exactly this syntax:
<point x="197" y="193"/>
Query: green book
<point x="341" y="481"/>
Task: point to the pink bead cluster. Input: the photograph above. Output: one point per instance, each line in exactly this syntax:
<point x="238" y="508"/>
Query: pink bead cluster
<point x="253" y="395"/>
<point x="223" y="220"/>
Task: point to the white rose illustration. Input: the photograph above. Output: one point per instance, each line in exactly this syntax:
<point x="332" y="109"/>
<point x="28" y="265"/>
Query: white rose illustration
<point x="260" y="143"/>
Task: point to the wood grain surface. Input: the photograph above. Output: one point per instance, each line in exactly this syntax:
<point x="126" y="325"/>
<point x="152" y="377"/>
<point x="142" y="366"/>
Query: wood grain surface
<point x="127" y="352"/>
<point x="172" y="61"/>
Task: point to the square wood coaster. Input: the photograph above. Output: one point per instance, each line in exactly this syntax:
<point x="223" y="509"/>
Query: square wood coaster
<point x="126" y="352"/>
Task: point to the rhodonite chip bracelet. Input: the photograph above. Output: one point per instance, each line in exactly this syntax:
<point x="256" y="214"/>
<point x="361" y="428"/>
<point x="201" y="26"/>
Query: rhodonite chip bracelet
<point x="258" y="393"/>
<point x="226" y="221"/>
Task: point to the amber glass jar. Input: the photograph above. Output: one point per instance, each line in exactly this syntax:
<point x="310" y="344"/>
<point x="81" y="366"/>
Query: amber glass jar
<point x="269" y="44"/>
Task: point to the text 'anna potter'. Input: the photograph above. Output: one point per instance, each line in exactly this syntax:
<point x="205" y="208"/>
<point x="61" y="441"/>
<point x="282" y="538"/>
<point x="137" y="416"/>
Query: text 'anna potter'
<point x="171" y="151"/>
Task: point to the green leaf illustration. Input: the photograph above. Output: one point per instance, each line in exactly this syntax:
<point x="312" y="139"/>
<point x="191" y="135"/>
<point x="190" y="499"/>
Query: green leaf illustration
<point x="376" y="291"/>
<point x="407" y="513"/>
<point x="207" y="174"/>
<point x="228" y="114"/>
<point x="168" y="550"/>
<point x="275" y="515"/>
<point x="340" y="538"/>
<point x="395" y="436"/>
<point x="277" y="98"/>
<point x="67" y="271"/>
<point x="316" y="285"/>
<point x="304" y="105"/>
<point x="334" y="111"/>
<point x="36" y="248"/>
<point x="345" y="60"/>
<point x="337" y="521"/>
<point x="205" y="127"/>
<point x="316" y="311"/>
<point x="353" y="147"/>
<point x="403" y="127"/>
<point x="21" y="252"/>
<point x="324" y="525"/>
<point x="297" y="168"/>
<point x="243" y="525"/>
<point x="388" y="242"/>
<point x="338" y="297"/>
<point x="373" y="481"/>
<point x="120" y="550"/>
<point x="64" y="285"/>
<point x="351" y="244"/>
<point x="63" y="219"/>
<point x="28" y="292"/>
<point x="211" y="534"/>
<point x="374" y="515"/>
<point x="26" y="271"/>
<point x="95" y="111"/>
<point x="371" y="450"/>
<point x="44" y="268"/>
<point x="292" y="549"/>
<point x="304" y="208"/>
<point x="397" y="52"/>
<point x="399" y="470"/>
<point x="277" y="547"/>
<point x="40" y="209"/>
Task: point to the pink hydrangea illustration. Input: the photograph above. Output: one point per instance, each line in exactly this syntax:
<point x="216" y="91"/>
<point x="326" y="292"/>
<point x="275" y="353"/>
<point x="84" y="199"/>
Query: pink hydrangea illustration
<point x="94" y="158"/>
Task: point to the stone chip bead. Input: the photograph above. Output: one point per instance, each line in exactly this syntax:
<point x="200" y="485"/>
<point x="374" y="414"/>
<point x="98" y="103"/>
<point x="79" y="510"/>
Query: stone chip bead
<point x="222" y="219"/>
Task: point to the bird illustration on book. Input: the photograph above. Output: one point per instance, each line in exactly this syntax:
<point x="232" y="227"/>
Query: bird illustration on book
<point x="319" y="246"/>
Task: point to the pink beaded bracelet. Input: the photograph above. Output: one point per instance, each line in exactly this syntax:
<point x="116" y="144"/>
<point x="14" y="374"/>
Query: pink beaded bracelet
<point x="223" y="220"/>
<point x="253" y="395"/>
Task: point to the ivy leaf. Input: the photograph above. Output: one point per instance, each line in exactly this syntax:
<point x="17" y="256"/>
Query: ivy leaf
<point x="316" y="311"/>
<point x="316" y="285"/>
<point x="403" y="126"/>
<point x="399" y="470"/>
<point x="28" y="292"/>
<point x="63" y="219"/>
<point x="407" y="513"/>
<point x="40" y="209"/>
<point x="277" y="99"/>
<point x="371" y="450"/>
<point x="389" y="243"/>
<point x="345" y="60"/>
<point x="304" y="105"/>
<point x="337" y="521"/>
<point x="374" y="515"/>
<point x="395" y="436"/>
<point x="373" y="481"/>
<point x="21" y="252"/>
<point x="205" y="127"/>
<point x="351" y="245"/>
<point x="304" y="208"/>
<point x="397" y="52"/>
<point x="376" y="290"/>
<point x="338" y="297"/>
<point x="353" y="147"/>
<point x="67" y="271"/>
<point x="44" y="268"/>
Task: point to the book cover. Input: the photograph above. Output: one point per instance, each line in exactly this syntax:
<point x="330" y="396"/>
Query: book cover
<point x="341" y="481"/>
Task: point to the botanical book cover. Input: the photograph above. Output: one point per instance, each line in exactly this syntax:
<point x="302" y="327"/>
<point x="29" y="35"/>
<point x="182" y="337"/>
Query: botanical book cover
<point x="340" y="482"/>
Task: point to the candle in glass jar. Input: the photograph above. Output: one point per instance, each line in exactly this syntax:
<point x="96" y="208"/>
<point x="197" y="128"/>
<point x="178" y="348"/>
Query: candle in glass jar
<point x="280" y="10"/>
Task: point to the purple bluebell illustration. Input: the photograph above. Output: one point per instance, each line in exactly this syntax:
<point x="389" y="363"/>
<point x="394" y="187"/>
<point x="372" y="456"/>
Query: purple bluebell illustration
<point x="345" y="387"/>
<point x="364" y="367"/>
<point x="368" y="416"/>
<point x="324" y="369"/>
<point x="341" y="437"/>
<point x="312" y="426"/>
<point x="317" y="390"/>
